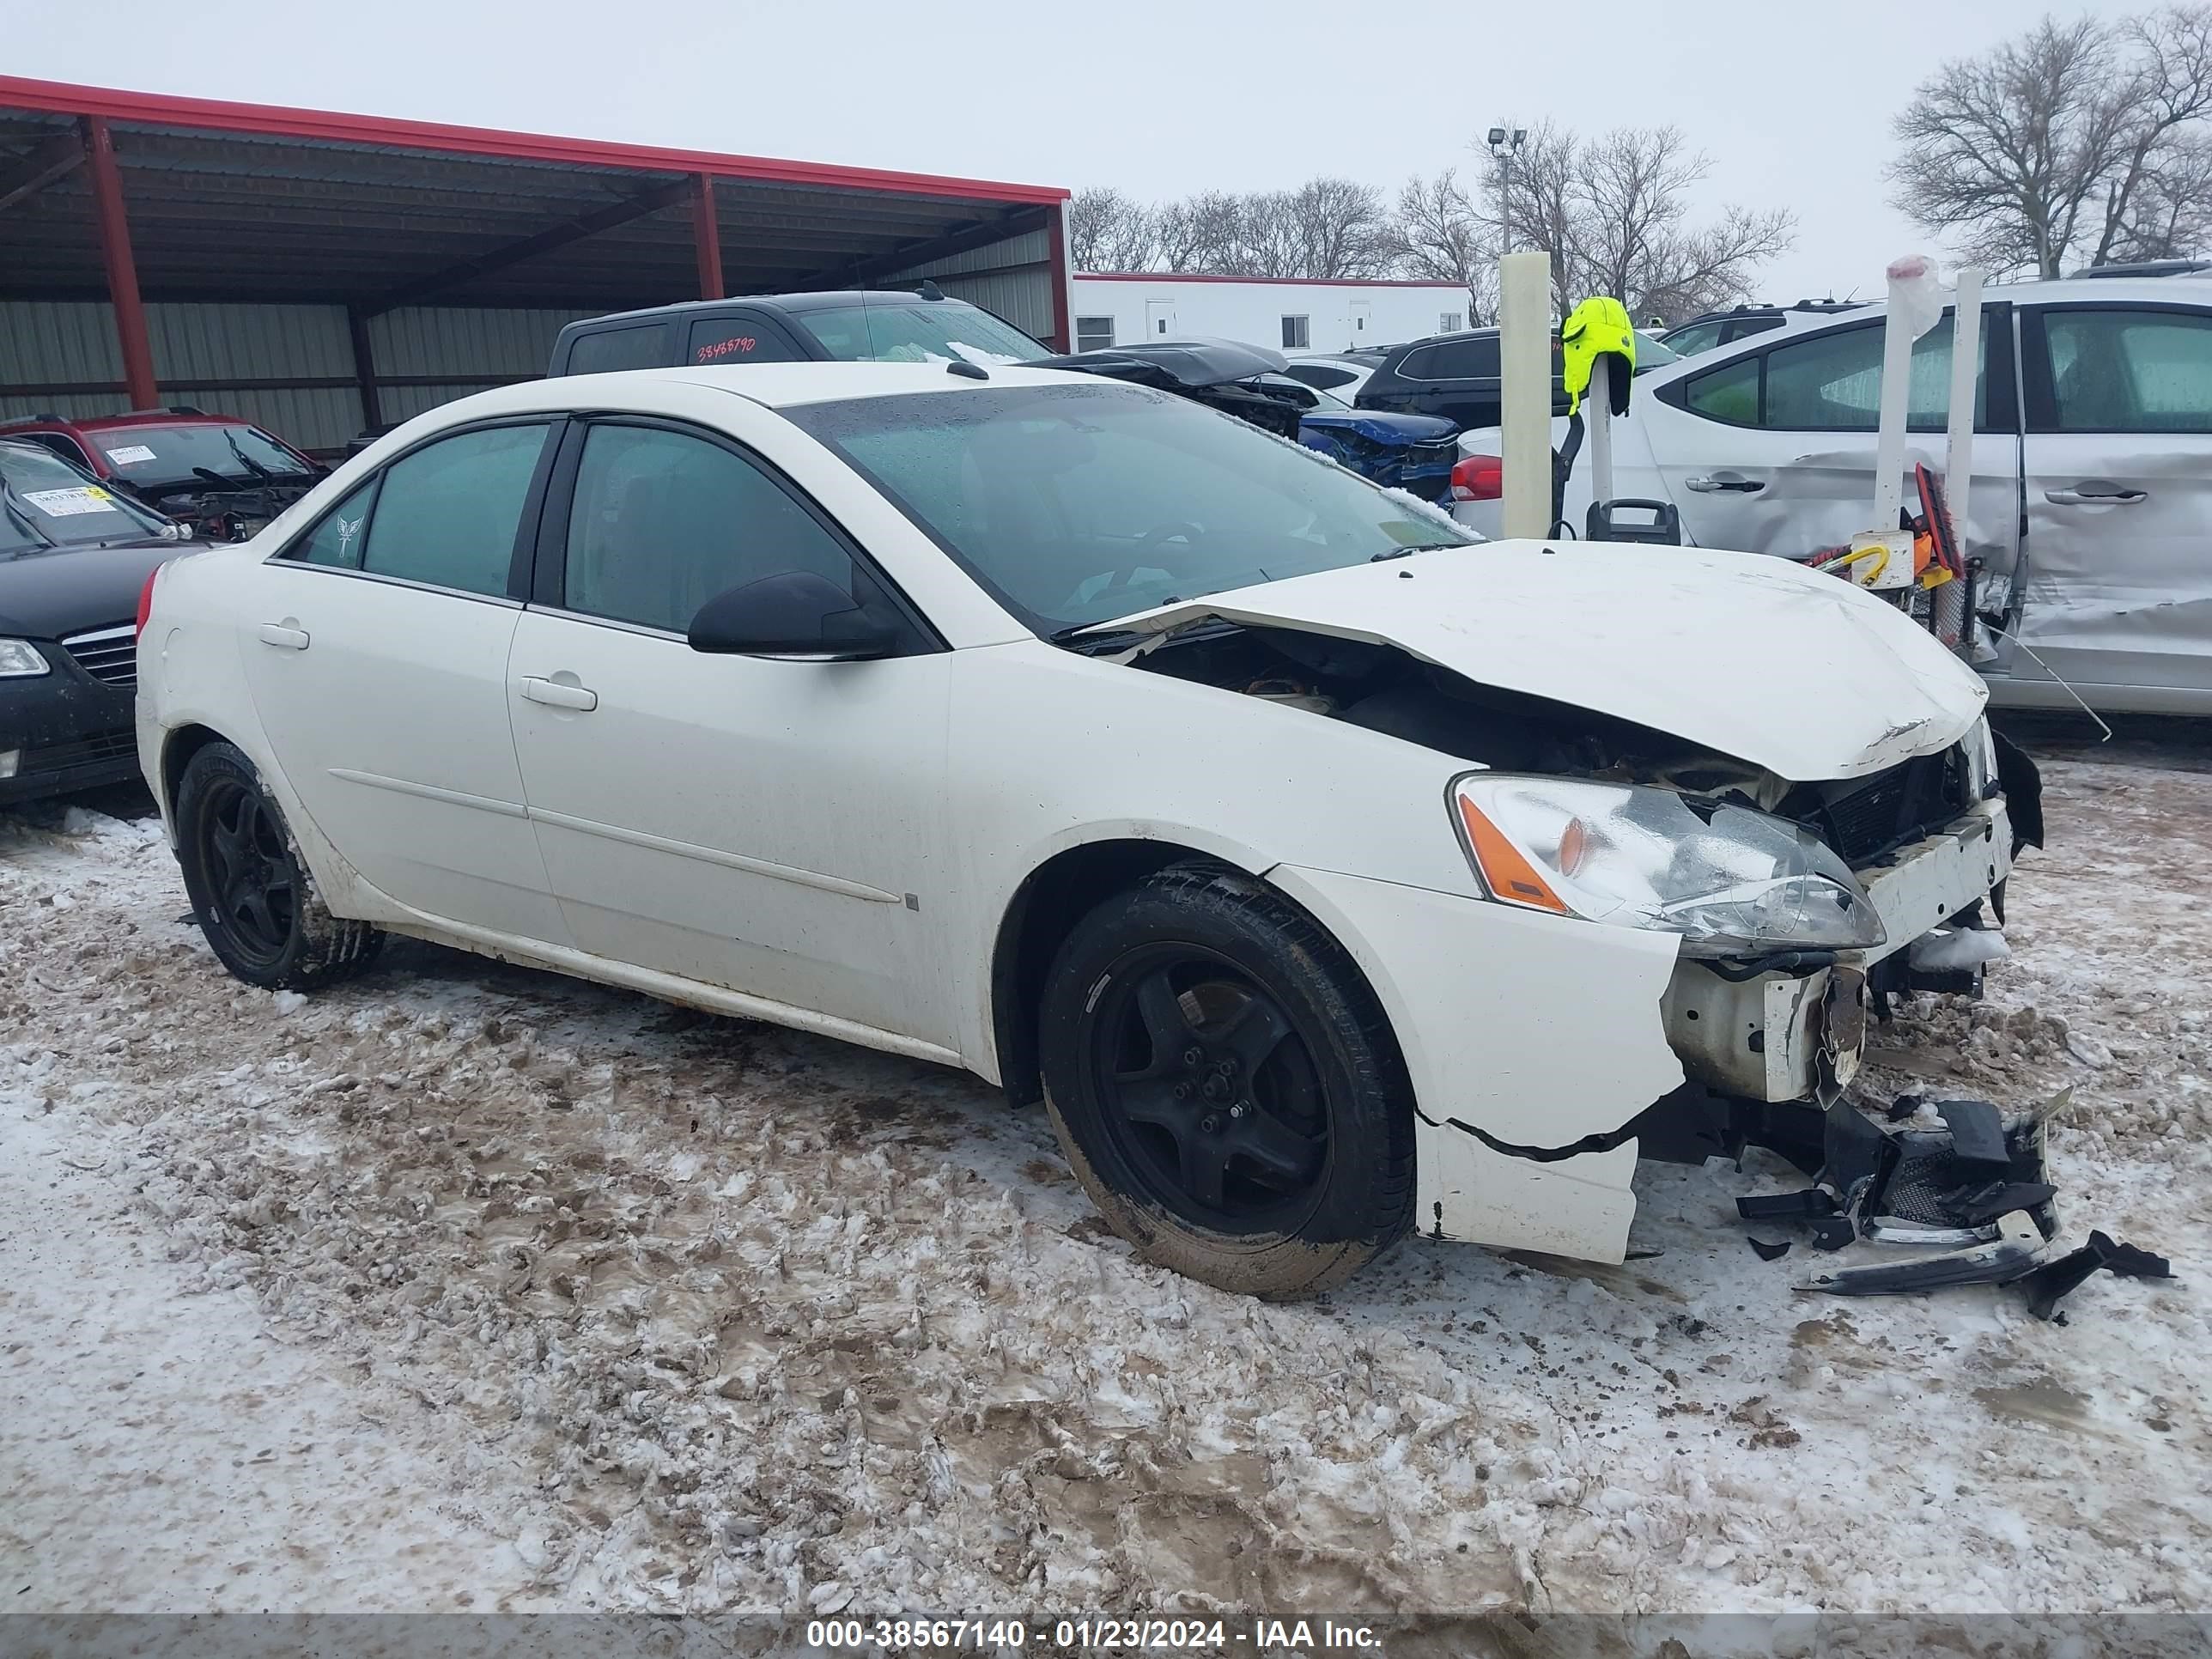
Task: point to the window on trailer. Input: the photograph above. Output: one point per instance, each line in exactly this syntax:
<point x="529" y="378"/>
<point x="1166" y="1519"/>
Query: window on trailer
<point x="1093" y="333"/>
<point x="1298" y="333"/>
<point x="1451" y="322"/>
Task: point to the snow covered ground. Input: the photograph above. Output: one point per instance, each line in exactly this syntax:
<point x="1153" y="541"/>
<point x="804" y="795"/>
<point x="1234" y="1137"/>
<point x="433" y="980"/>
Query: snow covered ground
<point x="466" y="1286"/>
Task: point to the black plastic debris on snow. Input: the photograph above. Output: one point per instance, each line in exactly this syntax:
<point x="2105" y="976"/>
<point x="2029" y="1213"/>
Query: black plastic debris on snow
<point x="2052" y="1281"/>
<point x="1975" y="1186"/>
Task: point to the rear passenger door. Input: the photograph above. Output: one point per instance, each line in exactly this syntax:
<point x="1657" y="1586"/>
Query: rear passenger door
<point x="2118" y="589"/>
<point x="376" y="644"/>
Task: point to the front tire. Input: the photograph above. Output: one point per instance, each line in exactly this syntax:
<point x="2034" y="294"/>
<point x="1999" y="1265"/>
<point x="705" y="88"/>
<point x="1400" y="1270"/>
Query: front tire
<point x="250" y="891"/>
<point x="1225" y="1086"/>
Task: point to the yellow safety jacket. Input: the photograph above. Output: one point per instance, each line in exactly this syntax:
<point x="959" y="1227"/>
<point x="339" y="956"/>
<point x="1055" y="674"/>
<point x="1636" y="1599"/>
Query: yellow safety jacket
<point x="1597" y="325"/>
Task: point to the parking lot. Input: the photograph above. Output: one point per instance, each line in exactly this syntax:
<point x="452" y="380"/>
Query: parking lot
<point x="466" y="1286"/>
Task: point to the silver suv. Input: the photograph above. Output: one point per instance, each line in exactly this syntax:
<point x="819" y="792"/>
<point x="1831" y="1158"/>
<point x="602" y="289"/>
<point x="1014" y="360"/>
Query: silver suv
<point x="2091" y="509"/>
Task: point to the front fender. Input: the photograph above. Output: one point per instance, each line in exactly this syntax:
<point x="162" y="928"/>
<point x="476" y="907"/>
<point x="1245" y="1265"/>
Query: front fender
<point x="1522" y="1033"/>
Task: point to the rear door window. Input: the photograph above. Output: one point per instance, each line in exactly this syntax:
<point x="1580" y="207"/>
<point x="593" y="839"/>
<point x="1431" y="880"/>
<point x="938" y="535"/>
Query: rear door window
<point x="447" y="513"/>
<point x="1831" y="382"/>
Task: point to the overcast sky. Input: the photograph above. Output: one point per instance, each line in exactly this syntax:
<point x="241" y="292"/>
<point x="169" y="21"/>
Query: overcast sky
<point x="1791" y="101"/>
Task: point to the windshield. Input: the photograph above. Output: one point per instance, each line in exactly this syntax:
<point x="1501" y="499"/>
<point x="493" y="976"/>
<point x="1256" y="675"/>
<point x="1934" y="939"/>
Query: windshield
<point x="926" y="330"/>
<point x="1078" y="504"/>
<point x="46" y="503"/>
<point x="163" y="457"/>
<point x="1653" y="353"/>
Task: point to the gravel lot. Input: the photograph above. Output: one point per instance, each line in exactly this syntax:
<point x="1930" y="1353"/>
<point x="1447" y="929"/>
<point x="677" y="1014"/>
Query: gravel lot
<point x="471" y="1287"/>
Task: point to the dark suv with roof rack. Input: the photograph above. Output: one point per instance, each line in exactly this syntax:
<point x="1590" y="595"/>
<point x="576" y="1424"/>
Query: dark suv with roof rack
<point x="850" y="326"/>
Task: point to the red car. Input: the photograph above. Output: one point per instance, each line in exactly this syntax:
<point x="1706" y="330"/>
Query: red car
<point x="223" y="477"/>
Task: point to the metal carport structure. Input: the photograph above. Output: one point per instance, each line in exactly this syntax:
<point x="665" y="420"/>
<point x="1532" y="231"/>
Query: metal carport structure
<point x="321" y="271"/>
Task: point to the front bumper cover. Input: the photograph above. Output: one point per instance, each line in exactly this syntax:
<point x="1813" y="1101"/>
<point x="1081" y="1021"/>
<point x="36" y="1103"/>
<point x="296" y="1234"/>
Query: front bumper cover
<point x="68" y="731"/>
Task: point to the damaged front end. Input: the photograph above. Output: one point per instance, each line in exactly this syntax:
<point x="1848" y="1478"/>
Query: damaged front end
<point x="1897" y="884"/>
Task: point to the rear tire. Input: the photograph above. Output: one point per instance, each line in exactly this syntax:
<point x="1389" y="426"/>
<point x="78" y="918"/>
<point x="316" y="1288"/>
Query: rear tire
<point x="250" y="891"/>
<point x="1225" y="1086"/>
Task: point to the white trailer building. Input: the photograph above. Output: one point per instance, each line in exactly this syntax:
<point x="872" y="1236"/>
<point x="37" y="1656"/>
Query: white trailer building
<point x="1286" y="314"/>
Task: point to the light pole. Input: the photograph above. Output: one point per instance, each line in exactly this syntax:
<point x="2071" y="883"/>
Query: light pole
<point x="1504" y="143"/>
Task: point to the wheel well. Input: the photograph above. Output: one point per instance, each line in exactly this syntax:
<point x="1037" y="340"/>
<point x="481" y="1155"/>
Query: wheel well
<point x="1057" y="894"/>
<point x="177" y="753"/>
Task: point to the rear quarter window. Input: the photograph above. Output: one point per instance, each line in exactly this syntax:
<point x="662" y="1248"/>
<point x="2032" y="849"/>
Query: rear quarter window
<point x="601" y="351"/>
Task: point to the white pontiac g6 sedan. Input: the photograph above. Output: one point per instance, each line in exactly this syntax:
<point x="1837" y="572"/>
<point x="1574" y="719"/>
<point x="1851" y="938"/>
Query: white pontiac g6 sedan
<point x="1327" y="874"/>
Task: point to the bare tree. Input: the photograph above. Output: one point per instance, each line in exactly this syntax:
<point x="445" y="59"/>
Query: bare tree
<point x="2071" y="140"/>
<point x="1108" y="230"/>
<point x="1190" y="231"/>
<point x="1614" y="212"/>
<point x="1337" y="227"/>
<point x="1440" y="234"/>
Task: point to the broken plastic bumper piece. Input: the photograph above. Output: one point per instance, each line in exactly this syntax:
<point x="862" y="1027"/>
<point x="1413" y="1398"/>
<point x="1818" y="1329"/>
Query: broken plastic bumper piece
<point x="1975" y="1186"/>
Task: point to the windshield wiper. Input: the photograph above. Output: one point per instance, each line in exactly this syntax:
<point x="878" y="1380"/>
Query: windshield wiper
<point x="1420" y="547"/>
<point x="7" y="501"/>
<point x="251" y="465"/>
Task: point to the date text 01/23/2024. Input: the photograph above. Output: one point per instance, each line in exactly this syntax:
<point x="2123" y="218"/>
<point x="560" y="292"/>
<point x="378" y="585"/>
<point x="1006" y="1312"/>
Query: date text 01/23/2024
<point x="1090" y="1635"/>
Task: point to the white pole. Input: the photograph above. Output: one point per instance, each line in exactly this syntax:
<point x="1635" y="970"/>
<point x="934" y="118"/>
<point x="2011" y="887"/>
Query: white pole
<point x="1896" y="395"/>
<point x="1524" y="327"/>
<point x="1598" y="400"/>
<point x="1966" y="354"/>
<point x="1948" y="608"/>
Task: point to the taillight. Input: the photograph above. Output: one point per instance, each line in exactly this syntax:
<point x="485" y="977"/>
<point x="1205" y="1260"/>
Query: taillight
<point x="1477" y="479"/>
<point x="146" y="598"/>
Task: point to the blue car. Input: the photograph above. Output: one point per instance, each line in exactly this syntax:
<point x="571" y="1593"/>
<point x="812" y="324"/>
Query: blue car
<point x="1412" y="453"/>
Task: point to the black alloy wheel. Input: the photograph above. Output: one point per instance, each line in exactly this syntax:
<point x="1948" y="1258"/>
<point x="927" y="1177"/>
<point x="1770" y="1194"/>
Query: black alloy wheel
<point x="251" y="894"/>
<point x="1209" y="1091"/>
<point x="253" y="889"/>
<point x="1225" y="1085"/>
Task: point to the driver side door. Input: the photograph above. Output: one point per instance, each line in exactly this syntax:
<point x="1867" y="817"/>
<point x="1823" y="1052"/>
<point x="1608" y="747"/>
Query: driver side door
<point x="771" y="826"/>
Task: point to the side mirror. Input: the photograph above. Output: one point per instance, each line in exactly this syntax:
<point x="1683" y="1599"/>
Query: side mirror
<point x="794" y="613"/>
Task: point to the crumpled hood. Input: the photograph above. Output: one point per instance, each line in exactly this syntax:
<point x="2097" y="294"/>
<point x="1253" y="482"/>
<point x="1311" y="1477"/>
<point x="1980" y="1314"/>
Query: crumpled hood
<point x="1793" y="671"/>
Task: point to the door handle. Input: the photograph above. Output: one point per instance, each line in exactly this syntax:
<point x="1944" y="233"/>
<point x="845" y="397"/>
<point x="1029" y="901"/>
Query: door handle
<point x="2095" y="492"/>
<point x="557" y="695"/>
<point x="1721" y="482"/>
<point x="285" y="636"/>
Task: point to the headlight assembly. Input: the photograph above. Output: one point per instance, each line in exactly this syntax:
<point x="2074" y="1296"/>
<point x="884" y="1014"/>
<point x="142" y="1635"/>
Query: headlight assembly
<point x="20" y="660"/>
<point x="1731" y="881"/>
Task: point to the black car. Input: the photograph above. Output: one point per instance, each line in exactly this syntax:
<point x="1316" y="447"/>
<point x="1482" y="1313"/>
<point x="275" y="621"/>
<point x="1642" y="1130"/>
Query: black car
<point x="927" y="326"/>
<point x="1456" y="376"/>
<point x="74" y="559"/>
<point x="850" y="326"/>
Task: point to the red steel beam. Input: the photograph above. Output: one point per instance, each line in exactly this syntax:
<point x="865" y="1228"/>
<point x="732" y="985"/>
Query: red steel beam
<point x="122" y="269"/>
<point x="707" y="233"/>
<point x="209" y="114"/>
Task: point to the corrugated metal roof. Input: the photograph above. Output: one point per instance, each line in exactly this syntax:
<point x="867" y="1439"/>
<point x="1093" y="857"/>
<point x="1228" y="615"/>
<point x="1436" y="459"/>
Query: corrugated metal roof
<point x="441" y="138"/>
<point x="240" y="202"/>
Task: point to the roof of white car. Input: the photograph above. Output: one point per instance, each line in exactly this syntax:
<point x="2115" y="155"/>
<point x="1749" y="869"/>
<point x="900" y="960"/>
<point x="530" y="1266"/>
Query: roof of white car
<point x="783" y="385"/>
